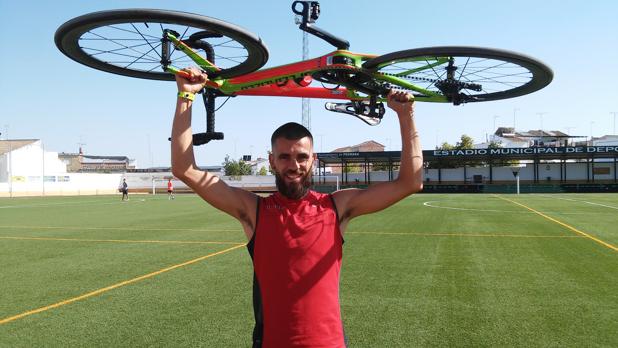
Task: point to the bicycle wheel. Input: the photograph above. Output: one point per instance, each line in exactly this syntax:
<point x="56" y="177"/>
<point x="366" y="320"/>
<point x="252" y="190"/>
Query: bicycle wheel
<point x="128" y="42"/>
<point x="464" y="74"/>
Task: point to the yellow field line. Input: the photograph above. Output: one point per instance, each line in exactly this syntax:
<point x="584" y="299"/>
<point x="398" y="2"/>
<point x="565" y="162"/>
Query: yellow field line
<point x="562" y="224"/>
<point x="111" y="287"/>
<point x="464" y="235"/>
<point x="119" y="240"/>
<point x="115" y="228"/>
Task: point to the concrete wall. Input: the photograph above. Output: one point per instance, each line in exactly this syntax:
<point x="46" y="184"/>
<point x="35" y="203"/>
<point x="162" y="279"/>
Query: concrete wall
<point x="35" y="172"/>
<point x="143" y="182"/>
<point x="25" y="184"/>
<point x="68" y="184"/>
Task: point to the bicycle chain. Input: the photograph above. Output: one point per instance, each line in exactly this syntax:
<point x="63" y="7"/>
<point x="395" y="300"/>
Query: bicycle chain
<point x="412" y="77"/>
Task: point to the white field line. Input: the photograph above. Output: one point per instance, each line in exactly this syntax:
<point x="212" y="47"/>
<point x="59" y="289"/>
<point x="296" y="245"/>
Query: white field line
<point x="115" y="228"/>
<point x="431" y="204"/>
<point x="580" y="201"/>
<point x="117" y="240"/>
<point x="134" y="200"/>
<point x="57" y="204"/>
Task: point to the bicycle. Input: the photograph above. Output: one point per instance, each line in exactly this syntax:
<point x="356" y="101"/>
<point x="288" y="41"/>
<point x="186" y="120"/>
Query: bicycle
<point x="147" y="43"/>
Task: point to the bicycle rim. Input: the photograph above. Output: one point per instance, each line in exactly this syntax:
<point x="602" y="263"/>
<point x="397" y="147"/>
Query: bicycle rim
<point x="494" y="74"/>
<point x="128" y="42"/>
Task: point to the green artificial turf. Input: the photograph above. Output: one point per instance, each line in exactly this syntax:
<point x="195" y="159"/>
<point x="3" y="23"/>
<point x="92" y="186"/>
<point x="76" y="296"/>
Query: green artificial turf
<point x="431" y="271"/>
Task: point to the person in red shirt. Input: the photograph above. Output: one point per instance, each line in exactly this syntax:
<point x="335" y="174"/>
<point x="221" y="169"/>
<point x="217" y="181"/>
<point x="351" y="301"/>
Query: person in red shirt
<point x="295" y="235"/>
<point x="170" y="189"/>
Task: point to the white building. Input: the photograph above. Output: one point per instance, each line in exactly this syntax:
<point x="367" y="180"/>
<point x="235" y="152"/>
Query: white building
<point x="26" y="169"/>
<point x="258" y="164"/>
<point x="508" y="137"/>
<point x="23" y="158"/>
<point x="606" y="140"/>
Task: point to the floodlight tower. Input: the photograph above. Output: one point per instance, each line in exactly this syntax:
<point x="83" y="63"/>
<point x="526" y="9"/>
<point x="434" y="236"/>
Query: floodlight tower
<point x="306" y="116"/>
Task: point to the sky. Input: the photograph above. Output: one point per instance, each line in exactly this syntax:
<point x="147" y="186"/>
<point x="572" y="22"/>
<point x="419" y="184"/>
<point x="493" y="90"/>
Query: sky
<point x="45" y="95"/>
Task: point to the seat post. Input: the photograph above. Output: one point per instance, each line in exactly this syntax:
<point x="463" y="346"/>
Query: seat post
<point x="309" y="13"/>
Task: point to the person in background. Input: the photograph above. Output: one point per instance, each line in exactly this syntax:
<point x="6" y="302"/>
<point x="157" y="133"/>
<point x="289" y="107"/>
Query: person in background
<point x="124" y="188"/>
<point x="170" y="189"/>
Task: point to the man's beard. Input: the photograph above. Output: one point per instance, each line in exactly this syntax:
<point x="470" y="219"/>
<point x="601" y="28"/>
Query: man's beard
<point x="293" y="190"/>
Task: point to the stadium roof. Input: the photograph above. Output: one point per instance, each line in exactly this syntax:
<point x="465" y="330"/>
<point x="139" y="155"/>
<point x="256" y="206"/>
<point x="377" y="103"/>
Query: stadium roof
<point x="527" y="153"/>
<point x="12" y="145"/>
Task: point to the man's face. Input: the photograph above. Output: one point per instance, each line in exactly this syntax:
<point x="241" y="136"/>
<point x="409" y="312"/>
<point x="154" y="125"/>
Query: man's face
<point x="292" y="161"/>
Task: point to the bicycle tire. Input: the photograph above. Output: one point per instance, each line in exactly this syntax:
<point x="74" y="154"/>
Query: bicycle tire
<point x="526" y="74"/>
<point x="77" y="37"/>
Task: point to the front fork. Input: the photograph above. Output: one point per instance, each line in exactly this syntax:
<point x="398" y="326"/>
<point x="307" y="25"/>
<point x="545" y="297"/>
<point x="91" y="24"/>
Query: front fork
<point x="208" y="95"/>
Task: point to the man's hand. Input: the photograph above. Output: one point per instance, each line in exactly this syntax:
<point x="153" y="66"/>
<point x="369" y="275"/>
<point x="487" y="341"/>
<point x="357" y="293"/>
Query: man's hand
<point x="401" y="102"/>
<point x="194" y="83"/>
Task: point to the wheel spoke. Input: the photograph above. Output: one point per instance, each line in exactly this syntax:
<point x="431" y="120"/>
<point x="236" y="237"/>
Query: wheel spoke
<point x="231" y="59"/>
<point x="133" y="32"/>
<point x="136" y="59"/>
<point x="151" y="60"/>
<point x="464" y="69"/>
<point x="113" y="51"/>
<point x="432" y="69"/>
<point x="130" y="48"/>
<point x="142" y="35"/>
<point x="474" y="71"/>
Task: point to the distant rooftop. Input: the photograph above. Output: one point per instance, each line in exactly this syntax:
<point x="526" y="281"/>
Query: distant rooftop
<point x="14" y="144"/>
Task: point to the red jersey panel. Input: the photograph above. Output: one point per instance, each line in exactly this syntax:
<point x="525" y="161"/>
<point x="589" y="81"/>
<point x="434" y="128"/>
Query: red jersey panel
<point x="297" y="261"/>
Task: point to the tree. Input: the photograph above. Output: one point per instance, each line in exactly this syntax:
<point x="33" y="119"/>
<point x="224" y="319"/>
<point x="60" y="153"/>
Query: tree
<point x="263" y="171"/>
<point x="442" y="162"/>
<point x="383" y="166"/>
<point x="353" y="168"/>
<point x="494" y="144"/>
<point x="235" y="168"/>
<point x="445" y="146"/>
<point x="379" y="166"/>
<point x="465" y="142"/>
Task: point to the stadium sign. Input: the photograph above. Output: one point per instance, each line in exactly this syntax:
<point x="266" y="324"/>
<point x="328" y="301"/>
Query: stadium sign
<point x="529" y="151"/>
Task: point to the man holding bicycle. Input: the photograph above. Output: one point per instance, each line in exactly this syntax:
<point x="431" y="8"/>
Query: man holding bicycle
<point x="295" y="235"/>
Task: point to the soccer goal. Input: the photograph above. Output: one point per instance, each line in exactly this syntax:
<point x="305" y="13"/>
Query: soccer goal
<point x="159" y="185"/>
<point x="329" y="183"/>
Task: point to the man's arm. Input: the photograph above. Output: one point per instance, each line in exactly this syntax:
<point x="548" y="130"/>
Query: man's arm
<point x="354" y="202"/>
<point x="239" y="203"/>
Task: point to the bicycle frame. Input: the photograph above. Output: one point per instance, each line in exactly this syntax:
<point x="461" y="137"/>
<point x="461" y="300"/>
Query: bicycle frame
<point x="293" y="80"/>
